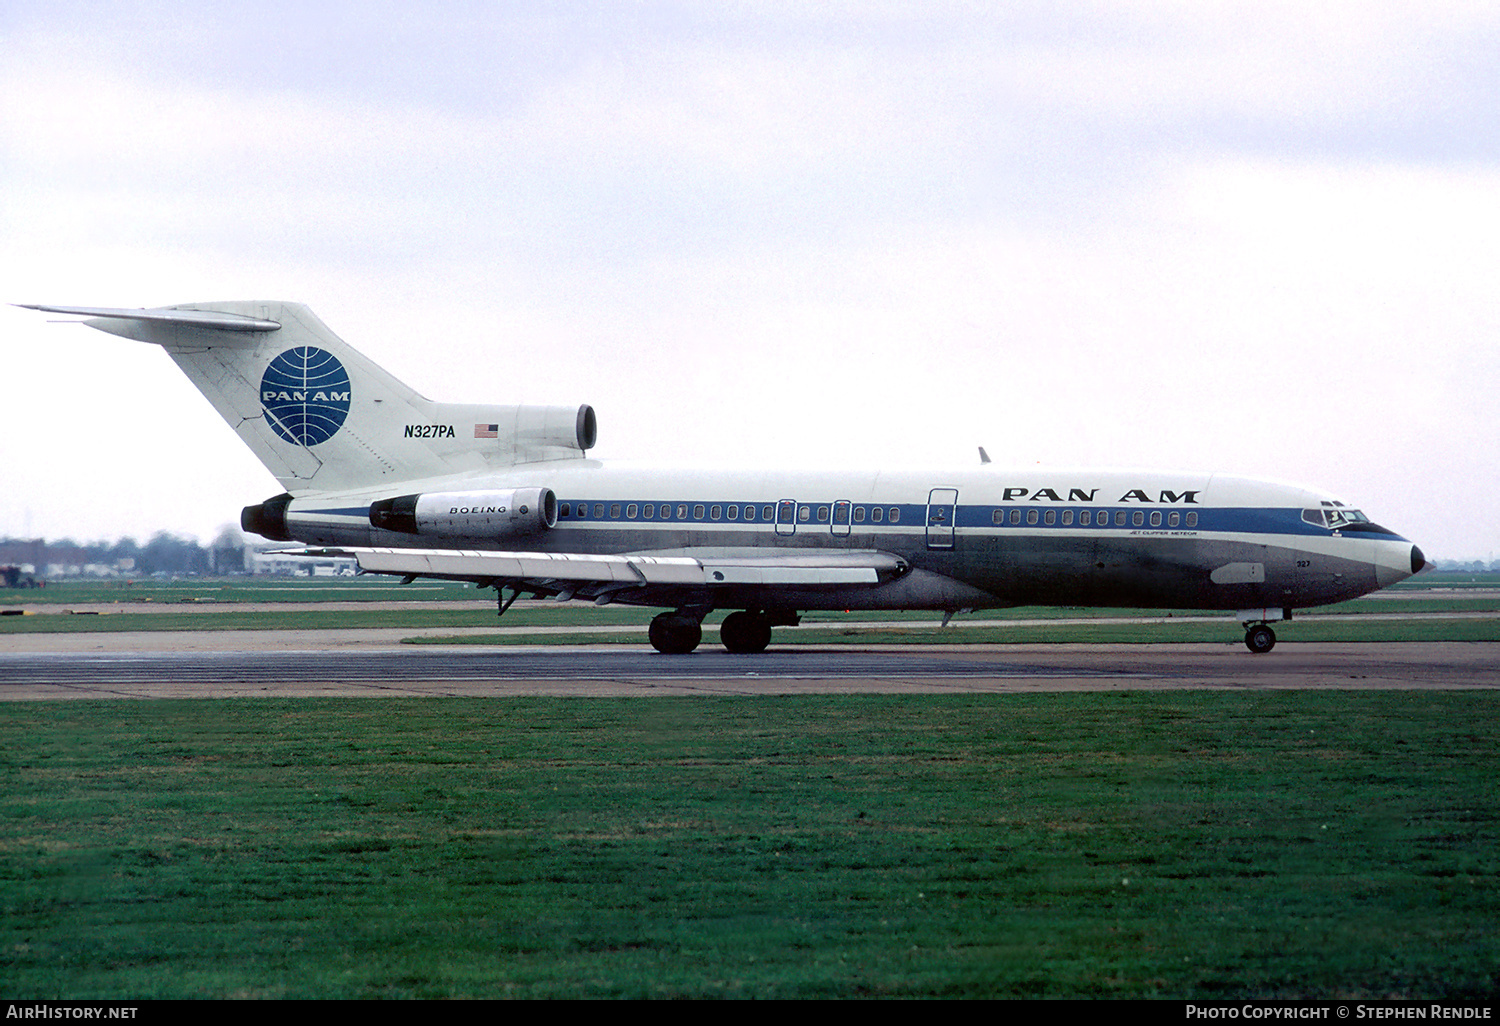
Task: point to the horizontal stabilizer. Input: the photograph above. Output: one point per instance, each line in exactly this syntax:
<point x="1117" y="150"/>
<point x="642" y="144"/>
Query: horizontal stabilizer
<point x="187" y="318"/>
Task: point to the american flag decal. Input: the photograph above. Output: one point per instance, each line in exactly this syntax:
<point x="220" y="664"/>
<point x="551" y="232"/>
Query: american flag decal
<point x="486" y="430"/>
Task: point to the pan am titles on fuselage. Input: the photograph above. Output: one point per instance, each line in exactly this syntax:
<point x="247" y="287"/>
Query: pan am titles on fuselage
<point x="507" y="497"/>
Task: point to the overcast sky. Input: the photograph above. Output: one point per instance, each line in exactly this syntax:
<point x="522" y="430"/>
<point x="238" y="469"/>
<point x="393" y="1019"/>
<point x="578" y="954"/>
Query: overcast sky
<point x="1260" y="238"/>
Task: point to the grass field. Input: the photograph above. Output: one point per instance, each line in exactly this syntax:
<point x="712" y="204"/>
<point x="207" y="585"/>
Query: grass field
<point x="256" y="604"/>
<point x="374" y="588"/>
<point x="215" y="590"/>
<point x="1208" y="844"/>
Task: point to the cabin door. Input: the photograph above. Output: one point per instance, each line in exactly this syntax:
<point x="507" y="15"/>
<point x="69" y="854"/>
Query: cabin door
<point x="840" y="525"/>
<point x="786" y="517"/>
<point x="942" y="507"/>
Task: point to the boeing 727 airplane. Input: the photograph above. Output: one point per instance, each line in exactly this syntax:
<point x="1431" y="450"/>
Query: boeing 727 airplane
<point x="507" y="497"/>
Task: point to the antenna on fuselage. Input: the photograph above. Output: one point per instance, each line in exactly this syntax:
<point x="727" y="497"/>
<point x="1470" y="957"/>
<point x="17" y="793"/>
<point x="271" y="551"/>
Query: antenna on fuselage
<point x="984" y="457"/>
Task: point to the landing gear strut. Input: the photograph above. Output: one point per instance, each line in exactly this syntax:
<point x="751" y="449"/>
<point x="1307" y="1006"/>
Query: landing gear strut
<point x="675" y="633"/>
<point x="1259" y="638"/>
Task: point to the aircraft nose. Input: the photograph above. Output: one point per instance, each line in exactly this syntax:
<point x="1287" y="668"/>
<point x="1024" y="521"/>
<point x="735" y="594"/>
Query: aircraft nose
<point x="1392" y="564"/>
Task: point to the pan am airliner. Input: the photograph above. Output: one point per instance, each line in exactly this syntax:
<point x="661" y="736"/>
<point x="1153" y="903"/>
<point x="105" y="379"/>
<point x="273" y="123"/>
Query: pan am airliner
<point x="507" y="497"/>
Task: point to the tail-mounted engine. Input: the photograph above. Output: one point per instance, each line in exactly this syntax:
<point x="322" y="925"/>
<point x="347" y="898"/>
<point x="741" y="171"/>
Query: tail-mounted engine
<point x="268" y="519"/>
<point x="492" y="514"/>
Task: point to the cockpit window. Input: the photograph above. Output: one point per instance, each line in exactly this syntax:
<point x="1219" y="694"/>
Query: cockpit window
<point x="1334" y="517"/>
<point x="1343" y="517"/>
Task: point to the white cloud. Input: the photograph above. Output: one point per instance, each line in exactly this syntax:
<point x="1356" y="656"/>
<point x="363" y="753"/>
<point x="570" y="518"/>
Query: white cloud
<point x="1219" y="235"/>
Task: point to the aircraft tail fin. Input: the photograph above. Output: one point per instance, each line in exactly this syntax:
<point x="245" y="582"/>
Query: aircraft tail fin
<point x="323" y="417"/>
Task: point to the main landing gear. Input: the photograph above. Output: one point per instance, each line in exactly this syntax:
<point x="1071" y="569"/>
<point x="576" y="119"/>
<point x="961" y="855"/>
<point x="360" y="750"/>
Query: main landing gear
<point x="745" y="632"/>
<point x="675" y="633"/>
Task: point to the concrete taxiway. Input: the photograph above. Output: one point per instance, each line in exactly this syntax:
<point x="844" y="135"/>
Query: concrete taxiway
<point x="208" y="664"/>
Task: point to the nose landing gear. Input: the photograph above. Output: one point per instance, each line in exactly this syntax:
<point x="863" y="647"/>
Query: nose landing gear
<point x="1259" y="638"/>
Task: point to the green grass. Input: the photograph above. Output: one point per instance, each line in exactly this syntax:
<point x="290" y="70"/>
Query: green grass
<point x="481" y="615"/>
<point x="217" y="605"/>
<point x="1449" y="579"/>
<point x="1206" y="844"/>
<point x="217" y="590"/>
<point x="1223" y="630"/>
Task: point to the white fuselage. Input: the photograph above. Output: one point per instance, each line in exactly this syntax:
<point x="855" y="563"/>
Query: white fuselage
<point x="982" y="536"/>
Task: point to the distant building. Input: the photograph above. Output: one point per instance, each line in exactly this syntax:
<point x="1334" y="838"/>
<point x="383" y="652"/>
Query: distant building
<point x="301" y="566"/>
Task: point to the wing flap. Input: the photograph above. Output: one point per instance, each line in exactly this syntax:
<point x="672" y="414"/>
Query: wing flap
<point x="828" y="570"/>
<point x="542" y="566"/>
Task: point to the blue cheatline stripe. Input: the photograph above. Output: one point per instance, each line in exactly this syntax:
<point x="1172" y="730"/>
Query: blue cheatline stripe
<point x="913" y="516"/>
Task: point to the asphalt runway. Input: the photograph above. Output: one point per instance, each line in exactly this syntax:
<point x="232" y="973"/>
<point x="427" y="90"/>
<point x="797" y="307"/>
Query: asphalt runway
<point x="241" y="667"/>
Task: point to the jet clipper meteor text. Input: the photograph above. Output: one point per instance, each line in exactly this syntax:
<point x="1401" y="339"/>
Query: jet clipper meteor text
<point x="507" y="497"/>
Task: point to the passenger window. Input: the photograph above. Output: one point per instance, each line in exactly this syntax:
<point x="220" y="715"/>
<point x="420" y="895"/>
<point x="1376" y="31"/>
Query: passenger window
<point x="1085" y="517"/>
<point x="997" y="516"/>
<point x="1192" y="520"/>
<point x="1120" y="518"/>
<point x="614" y="511"/>
<point x="563" y="510"/>
<point x="895" y="514"/>
<point x="682" y="511"/>
<point x="1031" y="516"/>
<point x="859" y="514"/>
<point x="1015" y="516"/>
<point x="1174" y="518"/>
<point x="1067" y="518"/>
<point x="714" y="512"/>
<point x="1137" y="518"/>
<point x="1156" y="518"/>
<point x="648" y="511"/>
<point x="631" y="511"/>
<point x="1050" y="517"/>
<point x="877" y="514"/>
<point x="598" y="511"/>
<point x="733" y="512"/>
<point x="765" y="512"/>
<point x="822" y="514"/>
<point x="804" y="514"/>
<point x="698" y="512"/>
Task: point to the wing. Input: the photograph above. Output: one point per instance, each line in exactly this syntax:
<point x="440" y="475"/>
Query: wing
<point x="638" y="579"/>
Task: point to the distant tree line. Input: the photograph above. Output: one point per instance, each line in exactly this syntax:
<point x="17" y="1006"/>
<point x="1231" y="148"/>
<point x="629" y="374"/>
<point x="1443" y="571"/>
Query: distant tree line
<point x="1476" y="566"/>
<point x="164" y="553"/>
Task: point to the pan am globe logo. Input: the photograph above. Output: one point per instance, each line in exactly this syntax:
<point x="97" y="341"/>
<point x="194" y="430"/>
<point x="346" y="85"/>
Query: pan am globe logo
<point x="306" y="392"/>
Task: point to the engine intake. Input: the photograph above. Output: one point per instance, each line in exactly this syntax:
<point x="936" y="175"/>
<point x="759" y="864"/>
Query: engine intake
<point x="489" y="514"/>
